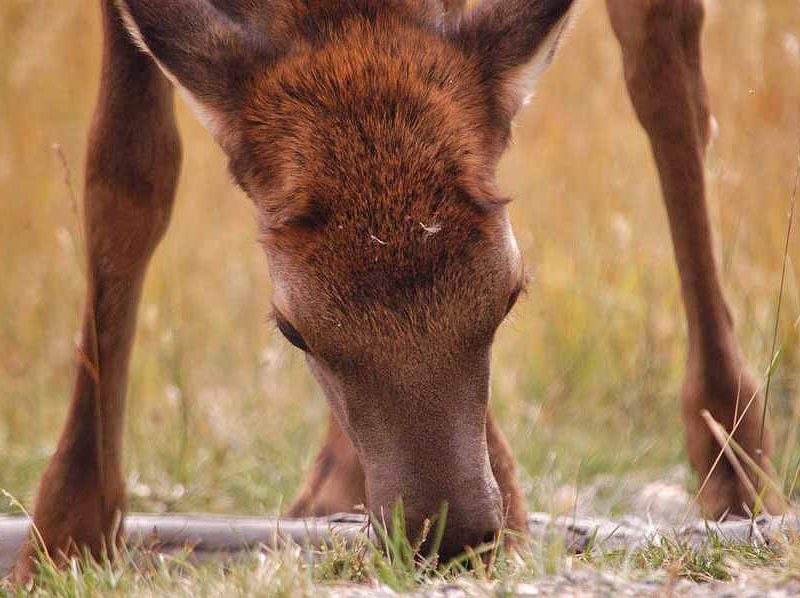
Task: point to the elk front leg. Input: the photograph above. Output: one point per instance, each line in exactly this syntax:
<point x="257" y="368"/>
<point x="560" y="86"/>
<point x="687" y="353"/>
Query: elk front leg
<point x="661" y="54"/>
<point x="504" y="468"/>
<point x="336" y="484"/>
<point x="131" y="171"/>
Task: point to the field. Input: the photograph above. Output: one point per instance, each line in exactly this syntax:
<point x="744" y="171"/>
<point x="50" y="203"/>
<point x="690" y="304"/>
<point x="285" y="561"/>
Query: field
<point x="222" y="414"/>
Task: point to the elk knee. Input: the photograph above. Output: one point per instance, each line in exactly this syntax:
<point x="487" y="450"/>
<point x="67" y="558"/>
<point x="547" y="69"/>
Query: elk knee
<point x="504" y="470"/>
<point x="660" y="42"/>
<point x="634" y="20"/>
<point x="131" y="175"/>
<point x="336" y="484"/>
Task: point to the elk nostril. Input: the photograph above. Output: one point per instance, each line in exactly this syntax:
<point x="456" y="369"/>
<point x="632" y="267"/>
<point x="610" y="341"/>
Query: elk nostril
<point x="489" y="537"/>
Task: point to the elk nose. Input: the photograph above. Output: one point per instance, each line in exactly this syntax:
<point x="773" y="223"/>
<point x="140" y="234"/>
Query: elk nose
<point x="473" y="500"/>
<point x="475" y="533"/>
<point x="475" y="525"/>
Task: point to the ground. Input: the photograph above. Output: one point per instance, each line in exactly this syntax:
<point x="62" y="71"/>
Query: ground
<point x="222" y="415"/>
<point x="659" y="553"/>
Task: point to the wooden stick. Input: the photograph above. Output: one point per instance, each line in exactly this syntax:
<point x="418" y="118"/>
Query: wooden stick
<point x="204" y="533"/>
<point x="218" y="536"/>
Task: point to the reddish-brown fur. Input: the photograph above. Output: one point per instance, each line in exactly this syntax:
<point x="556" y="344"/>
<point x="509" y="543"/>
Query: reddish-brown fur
<point x="367" y="133"/>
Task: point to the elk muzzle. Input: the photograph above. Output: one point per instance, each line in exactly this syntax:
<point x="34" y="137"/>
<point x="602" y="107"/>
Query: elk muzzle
<point x="469" y="490"/>
<point x="417" y="420"/>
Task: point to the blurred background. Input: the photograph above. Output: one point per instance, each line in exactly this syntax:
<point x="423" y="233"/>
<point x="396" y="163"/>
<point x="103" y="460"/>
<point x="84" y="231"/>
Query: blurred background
<point x="222" y="414"/>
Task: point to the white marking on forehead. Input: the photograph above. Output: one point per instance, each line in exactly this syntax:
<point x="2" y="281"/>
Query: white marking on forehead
<point x="432" y="228"/>
<point x="377" y="240"/>
<point x="511" y="244"/>
<point x="281" y="295"/>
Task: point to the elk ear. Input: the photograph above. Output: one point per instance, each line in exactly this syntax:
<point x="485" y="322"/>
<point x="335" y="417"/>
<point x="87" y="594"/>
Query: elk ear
<point x="514" y="41"/>
<point x="203" y="51"/>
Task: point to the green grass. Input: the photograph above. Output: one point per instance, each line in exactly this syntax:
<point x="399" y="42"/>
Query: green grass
<point x="223" y="416"/>
<point x="295" y="571"/>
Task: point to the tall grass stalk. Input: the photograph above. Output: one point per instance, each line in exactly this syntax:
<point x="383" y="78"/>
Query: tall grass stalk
<point x="790" y="219"/>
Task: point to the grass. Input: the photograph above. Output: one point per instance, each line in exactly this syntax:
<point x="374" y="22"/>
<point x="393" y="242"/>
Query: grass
<point x="295" y="571"/>
<point x="222" y="415"/>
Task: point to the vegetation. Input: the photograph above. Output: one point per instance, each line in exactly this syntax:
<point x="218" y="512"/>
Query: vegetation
<point x="337" y="570"/>
<point x="222" y="414"/>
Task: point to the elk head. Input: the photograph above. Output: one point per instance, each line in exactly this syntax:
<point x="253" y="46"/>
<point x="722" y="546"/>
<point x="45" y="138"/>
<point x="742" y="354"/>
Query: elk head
<point x="367" y="135"/>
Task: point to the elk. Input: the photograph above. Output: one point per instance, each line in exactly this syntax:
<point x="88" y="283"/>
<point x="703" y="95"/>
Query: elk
<point x="348" y="123"/>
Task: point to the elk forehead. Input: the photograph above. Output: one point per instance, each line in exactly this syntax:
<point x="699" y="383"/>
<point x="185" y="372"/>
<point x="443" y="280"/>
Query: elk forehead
<point x="338" y="111"/>
<point x="395" y="258"/>
<point x="375" y="188"/>
<point x="346" y="287"/>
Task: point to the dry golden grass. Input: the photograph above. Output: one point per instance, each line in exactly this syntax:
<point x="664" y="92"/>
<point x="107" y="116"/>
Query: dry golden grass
<point x="222" y="414"/>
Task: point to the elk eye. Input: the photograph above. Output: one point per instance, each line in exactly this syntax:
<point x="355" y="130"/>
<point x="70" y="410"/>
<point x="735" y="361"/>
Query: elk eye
<point x="290" y="332"/>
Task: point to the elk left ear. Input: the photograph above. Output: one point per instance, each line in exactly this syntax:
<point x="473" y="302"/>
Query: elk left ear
<point x="514" y="41"/>
<point x="208" y="55"/>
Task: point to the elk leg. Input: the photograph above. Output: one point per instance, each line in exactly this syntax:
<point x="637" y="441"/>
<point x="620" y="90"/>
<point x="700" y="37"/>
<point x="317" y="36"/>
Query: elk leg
<point x="504" y="468"/>
<point x="132" y="166"/>
<point x="336" y="484"/>
<point x="661" y="54"/>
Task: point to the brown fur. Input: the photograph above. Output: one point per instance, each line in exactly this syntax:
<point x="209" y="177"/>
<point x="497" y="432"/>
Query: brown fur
<point x="367" y="134"/>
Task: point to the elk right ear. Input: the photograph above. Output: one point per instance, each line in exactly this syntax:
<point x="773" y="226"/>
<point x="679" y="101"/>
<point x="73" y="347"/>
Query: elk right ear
<point x="513" y="41"/>
<point x="204" y="52"/>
